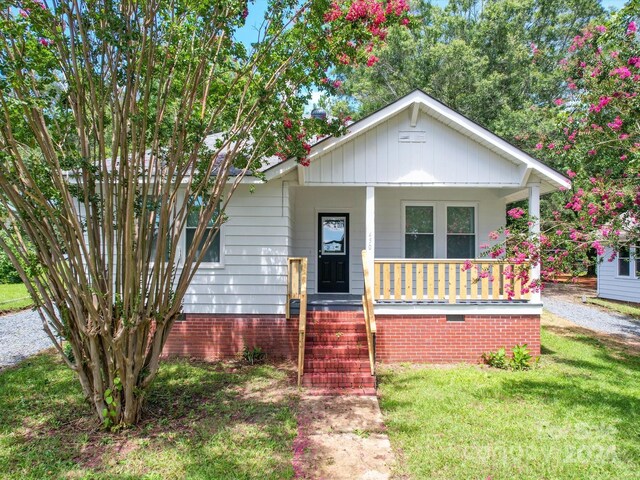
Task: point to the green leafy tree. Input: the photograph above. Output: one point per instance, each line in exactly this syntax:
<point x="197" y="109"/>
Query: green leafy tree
<point x="495" y="61"/>
<point x="106" y="106"/>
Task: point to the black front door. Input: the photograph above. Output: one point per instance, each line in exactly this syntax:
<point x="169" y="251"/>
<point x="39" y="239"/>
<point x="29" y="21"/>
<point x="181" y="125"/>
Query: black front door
<point x="333" y="252"/>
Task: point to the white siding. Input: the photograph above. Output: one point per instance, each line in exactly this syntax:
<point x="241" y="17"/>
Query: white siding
<point x="256" y="243"/>
<point x="444" y="157"/>
<point x="389" y="240"/>
<point x="610" y="285"/>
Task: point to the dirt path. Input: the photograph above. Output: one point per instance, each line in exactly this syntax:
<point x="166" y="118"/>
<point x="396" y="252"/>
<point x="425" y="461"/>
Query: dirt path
<point x="21" y="335"/>
<point x="566" y="301"/>
<point x="342" y="437"/>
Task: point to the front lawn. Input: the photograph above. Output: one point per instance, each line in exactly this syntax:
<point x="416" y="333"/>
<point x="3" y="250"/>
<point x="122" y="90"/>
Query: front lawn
<point x="14" y="297"/>
<point x="576" y="416"/>
<point x="203" y="421"/>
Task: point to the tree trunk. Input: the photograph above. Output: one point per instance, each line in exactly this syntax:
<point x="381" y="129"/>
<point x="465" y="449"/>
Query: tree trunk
<point x="116" y="371"/>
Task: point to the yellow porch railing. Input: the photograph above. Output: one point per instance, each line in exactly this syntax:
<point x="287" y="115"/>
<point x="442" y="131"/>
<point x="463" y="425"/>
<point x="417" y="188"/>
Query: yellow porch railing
<point x="447" y="281"/>
<point x="369" y="316"/>
<point x="297" y="290"/>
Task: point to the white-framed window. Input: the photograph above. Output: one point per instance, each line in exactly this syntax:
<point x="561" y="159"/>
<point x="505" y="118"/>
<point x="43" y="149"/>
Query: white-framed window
<point x="629" y="262"/>
<point x="419" y="230"/>
<point x="461" y="231"/>
<point x="213" y="255"/>
<point x="153" y="205"/>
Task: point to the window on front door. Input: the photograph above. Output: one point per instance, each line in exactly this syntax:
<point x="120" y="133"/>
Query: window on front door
<point x="418" y="231"/>
<point x="461" y="232"/>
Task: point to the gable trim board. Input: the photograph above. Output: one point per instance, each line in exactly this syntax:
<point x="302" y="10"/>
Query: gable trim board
<point x="528" y="168"/>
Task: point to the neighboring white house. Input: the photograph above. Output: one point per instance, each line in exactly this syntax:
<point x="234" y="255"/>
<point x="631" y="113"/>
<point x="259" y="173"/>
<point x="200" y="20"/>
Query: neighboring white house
<point x="619" y="279"/>
<point x="413" y="180"/>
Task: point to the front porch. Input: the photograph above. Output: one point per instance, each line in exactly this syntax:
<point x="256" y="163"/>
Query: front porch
<point x="410" y="310"/>
<point x="416" y="239"/>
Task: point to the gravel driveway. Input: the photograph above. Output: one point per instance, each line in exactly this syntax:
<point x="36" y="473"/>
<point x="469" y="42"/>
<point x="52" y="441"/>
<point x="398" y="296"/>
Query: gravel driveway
<point x="21" y="335"/>
<point x="565" y="301"/>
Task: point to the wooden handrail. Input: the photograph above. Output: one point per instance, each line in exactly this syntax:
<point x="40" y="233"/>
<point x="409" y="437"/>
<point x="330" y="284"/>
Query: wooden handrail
<point x="445" y="280"/>
<point x="297" y="290"/>
<point x="369" y="315"/>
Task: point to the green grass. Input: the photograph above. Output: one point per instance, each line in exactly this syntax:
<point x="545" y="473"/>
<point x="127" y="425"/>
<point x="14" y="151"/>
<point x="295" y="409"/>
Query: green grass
<point x="575" y="417"/>
<point x="620" y="307"/>
<point x="203" y="421"/>
<point x="14" y="297"/>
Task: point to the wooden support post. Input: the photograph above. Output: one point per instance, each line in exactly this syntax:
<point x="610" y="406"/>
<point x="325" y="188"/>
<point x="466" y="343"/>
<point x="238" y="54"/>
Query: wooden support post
<point x="534" y="215"/>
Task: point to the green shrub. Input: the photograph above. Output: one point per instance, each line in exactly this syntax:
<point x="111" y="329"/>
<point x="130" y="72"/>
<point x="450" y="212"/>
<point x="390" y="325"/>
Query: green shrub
<point x="68" y="352"/>
<point x="496" y="359"/>
<point x="8" y="273"/>
<point x="253" y="355"/>
<point x="520" y="358"/>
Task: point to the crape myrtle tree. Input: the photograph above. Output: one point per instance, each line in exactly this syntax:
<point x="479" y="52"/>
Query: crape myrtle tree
<point x="596" y="143"/>
<point x="106" y="106"/>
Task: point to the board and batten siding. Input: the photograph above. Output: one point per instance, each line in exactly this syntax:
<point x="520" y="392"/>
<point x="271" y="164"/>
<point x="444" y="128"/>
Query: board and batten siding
<point x="431" y="153"/>
<point x="614" y="287"/>
<point x="310" y="201"/>
<point x="255" y="246"/>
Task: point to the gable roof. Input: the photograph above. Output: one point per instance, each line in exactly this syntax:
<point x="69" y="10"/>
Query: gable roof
<point x="420" y="101"/>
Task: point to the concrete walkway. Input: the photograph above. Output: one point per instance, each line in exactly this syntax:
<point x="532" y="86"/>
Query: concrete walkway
<point x="342" y="437"/>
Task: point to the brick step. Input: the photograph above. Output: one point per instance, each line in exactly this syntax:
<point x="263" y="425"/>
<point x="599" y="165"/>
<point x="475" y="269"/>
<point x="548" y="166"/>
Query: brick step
<point x="328" y="391"/>
<point x="337" y="338"/>
<point x="315" y="315"/>
<point x="338" y="380"/>
<point x="336" y="320"/>
<point x="333" y="328"/>
<point x="349" y="351"/>
<point x="345" y="366"/>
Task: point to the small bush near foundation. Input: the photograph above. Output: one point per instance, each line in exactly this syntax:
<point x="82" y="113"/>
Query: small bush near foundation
<point x="520" y="358"/>
<point x="253" y="355"/>
<point x="496" y="359"/>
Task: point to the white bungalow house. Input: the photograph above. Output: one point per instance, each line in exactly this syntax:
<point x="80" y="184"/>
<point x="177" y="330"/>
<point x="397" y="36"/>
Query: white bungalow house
<point x="417" y="187"/>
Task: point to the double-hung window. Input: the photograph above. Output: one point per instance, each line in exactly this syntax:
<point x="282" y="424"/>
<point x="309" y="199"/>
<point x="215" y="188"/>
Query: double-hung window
<point x="629" y="262"/>
<point x="461" y="232"/>
<point x="212" y="255"/>
<point x="153" y="211"/>
<point x="418" y="231"/>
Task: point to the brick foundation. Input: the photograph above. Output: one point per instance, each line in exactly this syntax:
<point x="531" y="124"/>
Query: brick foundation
<point x="432" y="339"/>
<point x="215" y="337"/>
<point x="420" y="339"/>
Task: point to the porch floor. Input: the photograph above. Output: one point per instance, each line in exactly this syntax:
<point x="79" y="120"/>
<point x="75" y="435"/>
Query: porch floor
<point x="340" y="302"/>
<point x="329" y="302"/>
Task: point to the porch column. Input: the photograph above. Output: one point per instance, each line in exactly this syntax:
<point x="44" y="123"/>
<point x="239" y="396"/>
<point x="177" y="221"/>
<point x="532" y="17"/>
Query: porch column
<point x="370" y="228"/>
<point x="534" y="214"/>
